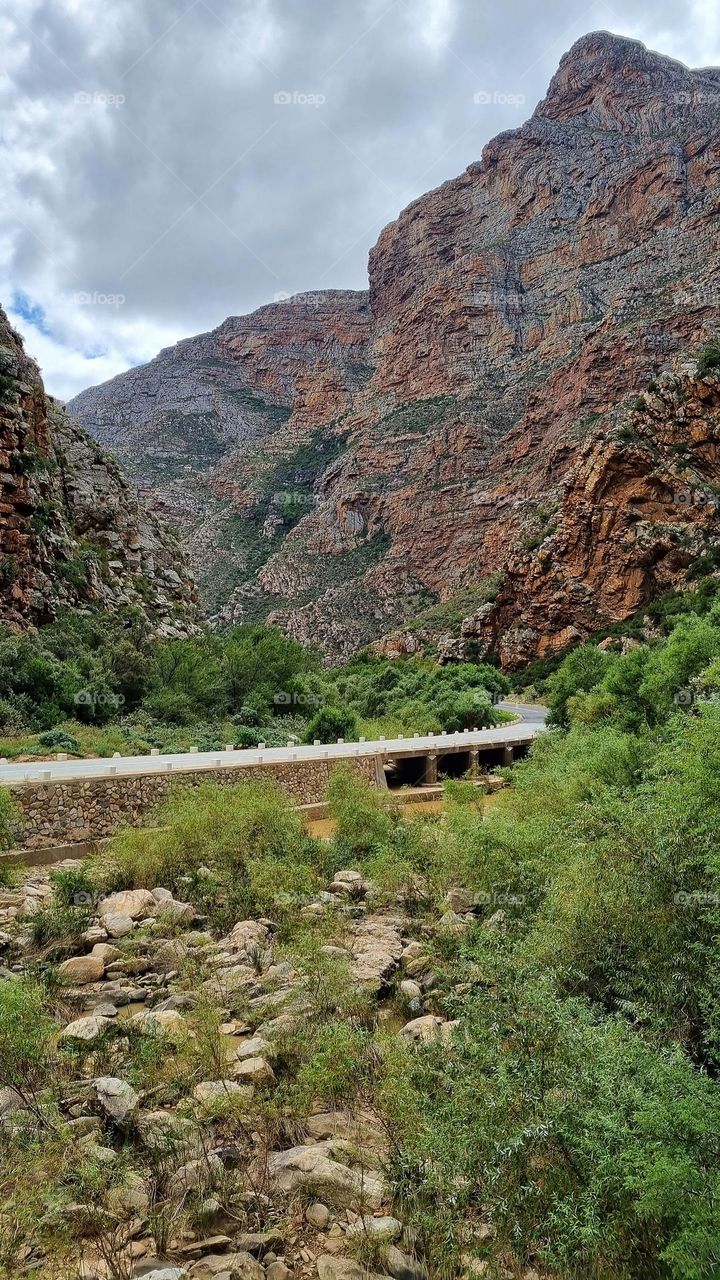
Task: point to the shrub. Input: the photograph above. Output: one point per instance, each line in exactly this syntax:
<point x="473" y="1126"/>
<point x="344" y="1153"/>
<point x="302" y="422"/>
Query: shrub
<point x="26" y="1033"/>
<point x="330" y="723"/>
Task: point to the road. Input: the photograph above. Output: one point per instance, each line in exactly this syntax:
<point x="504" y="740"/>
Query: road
<point x="59" y="770"/>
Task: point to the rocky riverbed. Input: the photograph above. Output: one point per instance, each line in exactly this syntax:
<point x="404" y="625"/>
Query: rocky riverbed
<point x="178" y="1050"/>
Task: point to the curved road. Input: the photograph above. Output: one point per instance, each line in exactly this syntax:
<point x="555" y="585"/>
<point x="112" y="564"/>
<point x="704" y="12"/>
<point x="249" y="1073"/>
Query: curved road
<point x="532" y="723"/>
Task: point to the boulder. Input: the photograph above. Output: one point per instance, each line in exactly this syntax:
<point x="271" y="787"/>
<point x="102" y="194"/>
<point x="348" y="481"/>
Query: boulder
<point x="236" y="1266"/>
<point x="171" y="909"/>
<point x="331" y="1268"/>
<point x="82" y="969"/>
<point x="211" y="1092"/>
<point x="253" y="1071"/>
<point x="318" y="1215"/>
<point x="246" y="931"/>
<point x="402" y="1267"/>
<point x="135" y="903"/>
<point x="425" y="1028"/>
<point x="116" y="924"/>
<point x="106" y="952"/>
<point x="86" y="1029"/>
<point x="313" y="1167"/>
<point x="116" y="1098"/>
<point x="157" y="1023"/>
<point x="254" y="1047"/>
<point x="388" y="1229"/>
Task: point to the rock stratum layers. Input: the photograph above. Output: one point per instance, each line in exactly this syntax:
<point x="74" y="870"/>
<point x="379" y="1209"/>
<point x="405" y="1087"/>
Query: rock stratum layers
<point x="511" y="430"/>
<point x="72" y="531"/>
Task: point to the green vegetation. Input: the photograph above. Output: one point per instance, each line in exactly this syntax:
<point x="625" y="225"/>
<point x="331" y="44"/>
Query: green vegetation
<point x="96" y="685"/>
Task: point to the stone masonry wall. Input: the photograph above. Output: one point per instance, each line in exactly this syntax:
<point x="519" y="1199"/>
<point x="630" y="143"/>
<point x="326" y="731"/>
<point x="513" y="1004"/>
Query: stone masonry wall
<point x="73" y="811"/>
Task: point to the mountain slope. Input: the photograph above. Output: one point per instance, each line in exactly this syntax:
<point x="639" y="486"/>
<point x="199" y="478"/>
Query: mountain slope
<point x="72" y="531"/>
<point x="513" y="314"/>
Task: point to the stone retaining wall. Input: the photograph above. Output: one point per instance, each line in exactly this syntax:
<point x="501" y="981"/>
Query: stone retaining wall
<point x="71" y="811"/>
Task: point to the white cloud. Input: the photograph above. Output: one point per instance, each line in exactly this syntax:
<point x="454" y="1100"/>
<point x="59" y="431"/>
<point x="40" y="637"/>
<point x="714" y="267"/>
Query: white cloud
<point x="198" y="196"/>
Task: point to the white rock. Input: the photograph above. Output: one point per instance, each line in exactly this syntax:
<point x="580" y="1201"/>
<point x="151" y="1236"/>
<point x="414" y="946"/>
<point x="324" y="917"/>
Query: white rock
<point x="425" y="1028"/>
<point x="136" y="903"/>
<point x="116" y="1097"/>
<point x="116" y="924"/>
<point x="87" y="1029"/>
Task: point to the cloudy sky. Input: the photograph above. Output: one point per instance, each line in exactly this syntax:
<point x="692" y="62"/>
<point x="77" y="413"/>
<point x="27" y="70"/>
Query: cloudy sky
<point x="167" y="163"/>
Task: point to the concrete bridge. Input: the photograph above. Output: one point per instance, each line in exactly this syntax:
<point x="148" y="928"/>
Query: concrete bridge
<point x="74" y="801"/>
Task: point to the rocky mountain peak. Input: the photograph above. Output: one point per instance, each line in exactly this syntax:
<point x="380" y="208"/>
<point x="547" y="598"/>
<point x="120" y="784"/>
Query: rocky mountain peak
<point x="341" y="463"/>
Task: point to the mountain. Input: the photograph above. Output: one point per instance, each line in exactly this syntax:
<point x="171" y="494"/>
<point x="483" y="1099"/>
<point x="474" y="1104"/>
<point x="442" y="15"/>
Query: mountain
<point x="513" y="436"/>
<point x="72" y="530"/>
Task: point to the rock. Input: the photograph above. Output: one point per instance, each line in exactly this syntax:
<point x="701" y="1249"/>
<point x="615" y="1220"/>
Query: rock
<point x="106" y="952"/>
<point x="277" y="1271"/>
<point x="210" y="1093"/>
<point x="195" y="1175"/>
<point x="388" y="1229"/>
<point x="246" y="931"/>
<point x="259" y="1243"/>
<point x="117" y="925"/>
<point x="313" y="1167"/>
<point x="331" y="1268"/>
<point x="377" y="947"/>
<point x="410" y="990"/>
<point x="318" y="1215"/>
<point x="402" y="1267"/>
<point x="253" y="1071"/>
<point x="116" y="1098"/>
<point x="82" y="969"/>
<point x="157" y="1023"/>
<point x="425" y="1028"/>
<point x="135" y="903"/>
<point x="174" y="910"/>
<point x="255" y="1047"/>
<point x="86" y="1029"/>
<point x="166" y="1273"/>
<point x="161" y="895"/>
<point x="237" y="1266"/>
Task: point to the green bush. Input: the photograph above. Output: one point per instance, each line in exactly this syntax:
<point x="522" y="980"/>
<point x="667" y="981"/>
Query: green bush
<point x="330" y="723"/>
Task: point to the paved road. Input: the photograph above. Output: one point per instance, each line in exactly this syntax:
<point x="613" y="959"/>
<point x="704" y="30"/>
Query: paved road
<point x="56" y="770"/>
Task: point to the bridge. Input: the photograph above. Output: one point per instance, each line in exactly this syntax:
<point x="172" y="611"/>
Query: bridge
<point x="75" y="801"/>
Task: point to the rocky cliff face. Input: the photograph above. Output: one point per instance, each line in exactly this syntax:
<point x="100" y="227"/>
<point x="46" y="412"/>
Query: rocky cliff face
<point x="72" y="531"/>
<point x="467" y="438"/>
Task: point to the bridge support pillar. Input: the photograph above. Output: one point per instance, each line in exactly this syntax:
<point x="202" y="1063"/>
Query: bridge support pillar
<point x="475" y="763"/>
<point x="431" y="773"/>
<point x="508" y="757"/>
